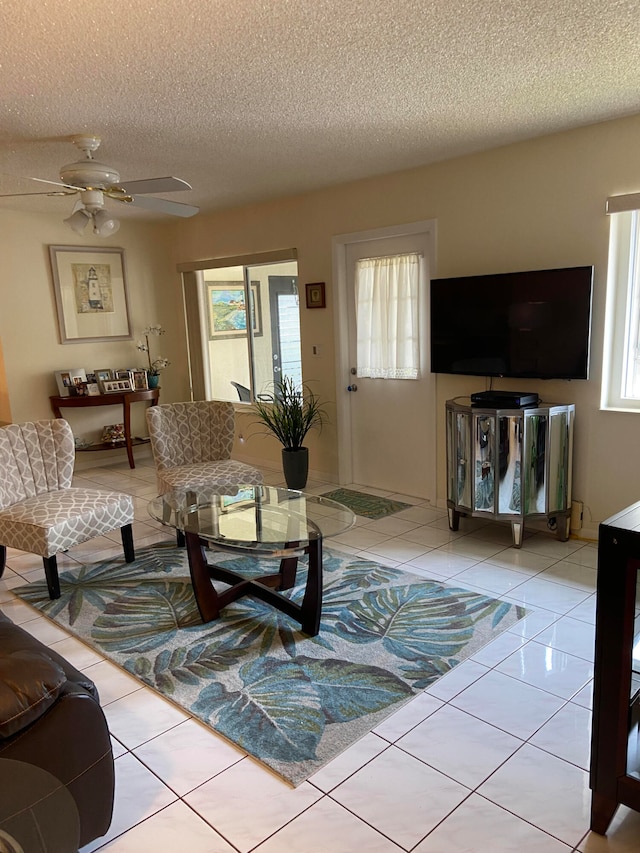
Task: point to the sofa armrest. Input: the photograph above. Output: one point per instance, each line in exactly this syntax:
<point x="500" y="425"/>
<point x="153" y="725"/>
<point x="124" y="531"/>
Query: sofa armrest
<point x="71" y="742"/>
<point x="30" y="682"/>
<point x="53" y="721"/>
<point x="13" y="638"/>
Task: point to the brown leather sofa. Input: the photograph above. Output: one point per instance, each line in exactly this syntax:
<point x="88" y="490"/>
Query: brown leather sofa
<point x="56" y="763"/>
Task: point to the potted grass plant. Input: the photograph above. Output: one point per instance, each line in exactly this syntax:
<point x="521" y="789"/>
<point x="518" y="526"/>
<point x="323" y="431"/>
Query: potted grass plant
<point x="293" y="411"/>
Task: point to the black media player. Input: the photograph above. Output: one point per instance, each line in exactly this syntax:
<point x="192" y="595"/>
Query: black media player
<point x="504" y="399"/>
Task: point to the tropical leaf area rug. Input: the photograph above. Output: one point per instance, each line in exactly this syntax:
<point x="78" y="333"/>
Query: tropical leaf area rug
<point x="291" y="701"/>
<point x="369" y="506"/>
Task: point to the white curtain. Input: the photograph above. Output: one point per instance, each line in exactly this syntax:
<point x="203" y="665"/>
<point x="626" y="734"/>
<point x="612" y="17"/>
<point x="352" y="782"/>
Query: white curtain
<point x="387" y="317"/>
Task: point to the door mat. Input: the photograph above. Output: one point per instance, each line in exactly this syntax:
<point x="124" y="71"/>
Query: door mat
<point x="291" y="701"/>
<point x="369" y="506"/>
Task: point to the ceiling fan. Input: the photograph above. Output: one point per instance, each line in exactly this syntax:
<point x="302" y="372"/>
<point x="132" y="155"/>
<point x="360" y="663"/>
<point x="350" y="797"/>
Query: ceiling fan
<point x="95" y="181"/>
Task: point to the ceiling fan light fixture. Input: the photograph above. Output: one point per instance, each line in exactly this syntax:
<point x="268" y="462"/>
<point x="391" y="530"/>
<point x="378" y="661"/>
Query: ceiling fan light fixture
<point x="104" y="224"/>
<point x="93" y="181"/>
<point x="78" y="220"/>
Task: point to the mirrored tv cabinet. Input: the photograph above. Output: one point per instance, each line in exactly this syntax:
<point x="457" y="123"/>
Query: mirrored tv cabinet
<point x="510" y="465"/>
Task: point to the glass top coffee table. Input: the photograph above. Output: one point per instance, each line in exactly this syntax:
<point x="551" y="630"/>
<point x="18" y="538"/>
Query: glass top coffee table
<point x="263" y="521"/>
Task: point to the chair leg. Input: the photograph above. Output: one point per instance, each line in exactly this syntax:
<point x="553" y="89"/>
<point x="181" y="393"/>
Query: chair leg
<point x="127" y="543"/>
<point x="51" y="573"/>
<point x="180" y="539"/>
<point x="3" y="559"/>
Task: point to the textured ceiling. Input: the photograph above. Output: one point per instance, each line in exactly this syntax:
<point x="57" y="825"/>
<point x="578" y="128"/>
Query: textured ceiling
<point x="253" y="99"/>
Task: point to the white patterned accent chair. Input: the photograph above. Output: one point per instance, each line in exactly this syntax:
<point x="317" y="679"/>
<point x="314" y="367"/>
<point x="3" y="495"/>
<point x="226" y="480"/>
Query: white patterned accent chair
<point x="191" y="445"/>
<point x="40" y="512"/>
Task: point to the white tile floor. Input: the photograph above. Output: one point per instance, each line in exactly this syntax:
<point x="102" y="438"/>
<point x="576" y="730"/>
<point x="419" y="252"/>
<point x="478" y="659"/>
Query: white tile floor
<point x="492" y="758"/>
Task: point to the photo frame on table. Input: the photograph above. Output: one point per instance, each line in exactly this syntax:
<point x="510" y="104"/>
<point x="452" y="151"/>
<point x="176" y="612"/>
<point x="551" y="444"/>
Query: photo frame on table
<point x="124" y="373"/>
<point x="90" y="290"/>
<point x="315" y="294"/>
<point x="103" y="374"/>
<point x="79" y="390"/>
<point x="140" y="380"/>
<point x="66" y="380"/>
<point x="227" y="310"/>
<point x="115" y="386"/>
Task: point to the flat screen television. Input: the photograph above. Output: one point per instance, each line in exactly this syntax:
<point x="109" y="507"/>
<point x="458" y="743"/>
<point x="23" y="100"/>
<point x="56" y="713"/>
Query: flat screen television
<point x="524" y="324"/>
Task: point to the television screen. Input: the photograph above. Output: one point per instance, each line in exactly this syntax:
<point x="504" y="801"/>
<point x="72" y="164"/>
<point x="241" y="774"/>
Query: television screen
<point x="524" y="324"/>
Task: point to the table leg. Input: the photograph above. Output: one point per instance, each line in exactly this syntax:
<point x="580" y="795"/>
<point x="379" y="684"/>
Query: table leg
<point x="210" y="602"/>
<point x="517" y="529"/>
<point x="127" y="431"/>
<point x="204" y="591"/>
<point x="311" y="609"/>
<point x="602" y="812"/>
<point x="288" y="570"/>
<point x="454" y="518"/>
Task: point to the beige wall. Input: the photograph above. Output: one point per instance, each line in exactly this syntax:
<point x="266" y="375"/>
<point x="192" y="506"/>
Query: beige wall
<point x="533" y="205"/>
<point x="5" y="405"/>
<point x="28" y="324"/>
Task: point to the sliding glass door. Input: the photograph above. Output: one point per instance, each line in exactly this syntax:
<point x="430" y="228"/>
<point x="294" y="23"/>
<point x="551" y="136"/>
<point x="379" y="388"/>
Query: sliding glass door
<point x="246" y="336"/>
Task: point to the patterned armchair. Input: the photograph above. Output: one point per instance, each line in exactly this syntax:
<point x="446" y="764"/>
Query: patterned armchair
<point x="191" y="445"/>
<point x="40" y="512"/>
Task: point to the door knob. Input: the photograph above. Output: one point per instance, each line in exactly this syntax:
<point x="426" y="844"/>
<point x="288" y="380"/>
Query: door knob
<point x="352" y="387"/>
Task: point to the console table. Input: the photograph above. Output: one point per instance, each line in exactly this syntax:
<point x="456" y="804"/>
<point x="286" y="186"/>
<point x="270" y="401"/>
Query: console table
<point x="615" y="741"/>
<point x="125" y="400"/>
<point x="510" y="464"/>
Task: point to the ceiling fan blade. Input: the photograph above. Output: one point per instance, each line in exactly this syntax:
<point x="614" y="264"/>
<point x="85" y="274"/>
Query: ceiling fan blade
<point x="55" y="184"/>
<point x="42" y="181"/>
<point x="155" y="185"/>
<point x="52" y="193"/>
<point x="163" y="205"/>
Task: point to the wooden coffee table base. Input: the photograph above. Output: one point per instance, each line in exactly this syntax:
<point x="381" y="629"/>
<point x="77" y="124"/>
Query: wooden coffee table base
<point x="210" y="602"/>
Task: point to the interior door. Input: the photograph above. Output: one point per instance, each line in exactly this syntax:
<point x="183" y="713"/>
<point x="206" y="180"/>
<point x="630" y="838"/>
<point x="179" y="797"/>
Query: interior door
<point x="392" y="420"/>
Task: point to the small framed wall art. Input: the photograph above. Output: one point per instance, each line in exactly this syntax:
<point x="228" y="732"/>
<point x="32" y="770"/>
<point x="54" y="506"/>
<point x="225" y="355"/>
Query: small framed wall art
<point x="315" y="295"/>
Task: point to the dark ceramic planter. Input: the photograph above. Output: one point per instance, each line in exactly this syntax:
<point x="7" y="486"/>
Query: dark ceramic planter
<point x="295" y="464"/>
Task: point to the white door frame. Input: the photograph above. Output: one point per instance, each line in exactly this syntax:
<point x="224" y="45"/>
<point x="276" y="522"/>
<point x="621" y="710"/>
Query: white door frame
<point x="339" y="245"/>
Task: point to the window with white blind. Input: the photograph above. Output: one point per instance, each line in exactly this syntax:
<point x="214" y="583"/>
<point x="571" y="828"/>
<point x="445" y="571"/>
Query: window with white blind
<point x="621" y="362"/>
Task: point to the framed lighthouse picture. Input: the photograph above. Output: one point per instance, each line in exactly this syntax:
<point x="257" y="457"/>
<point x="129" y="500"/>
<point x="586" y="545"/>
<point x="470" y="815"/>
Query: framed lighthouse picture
<point x="90" y="290"/>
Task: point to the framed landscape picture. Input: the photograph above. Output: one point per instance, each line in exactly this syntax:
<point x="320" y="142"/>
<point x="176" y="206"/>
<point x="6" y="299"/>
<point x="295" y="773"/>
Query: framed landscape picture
<point x="228" y="312"/>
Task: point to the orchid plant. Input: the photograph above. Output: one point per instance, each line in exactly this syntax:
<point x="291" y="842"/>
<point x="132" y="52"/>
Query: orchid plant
<point x="159" y="363"/>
